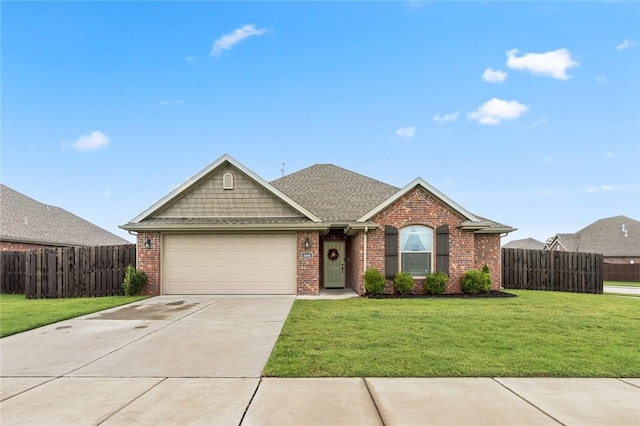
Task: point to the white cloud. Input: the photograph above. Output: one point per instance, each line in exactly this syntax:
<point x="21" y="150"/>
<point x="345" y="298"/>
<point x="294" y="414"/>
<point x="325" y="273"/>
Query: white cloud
<point x="406" y="132"/>
<point x="494" y="76"/>
<point x="496" y="110"/>
<point x="626" y="44"/>
<point x="599" y="188"/>
<point x="229" y="40"/>
<point x="551" y="64"/>
<point x="171" y="103"/>
<point x="537" y="123"/>
<point x="601" y="79"/>
<point x="446" y="117"/>
<point x="93" y="140"/>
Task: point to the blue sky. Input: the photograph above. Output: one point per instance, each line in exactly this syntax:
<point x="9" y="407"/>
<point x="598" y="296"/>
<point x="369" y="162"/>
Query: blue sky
<point x="524" y="113"/>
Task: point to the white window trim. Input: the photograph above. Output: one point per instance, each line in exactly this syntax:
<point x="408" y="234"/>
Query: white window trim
<point x="227" y="181"/>
<point x="433" y="245"/>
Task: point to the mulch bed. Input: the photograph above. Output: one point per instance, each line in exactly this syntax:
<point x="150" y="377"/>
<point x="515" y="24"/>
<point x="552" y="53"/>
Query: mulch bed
<point x="489" y="295"/>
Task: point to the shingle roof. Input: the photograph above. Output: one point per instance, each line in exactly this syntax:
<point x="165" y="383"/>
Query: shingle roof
<point x="334" y="194"/>
<point x="23" y="219"/>
<point x="606" y="236"/>
<point x="525" y="243"/>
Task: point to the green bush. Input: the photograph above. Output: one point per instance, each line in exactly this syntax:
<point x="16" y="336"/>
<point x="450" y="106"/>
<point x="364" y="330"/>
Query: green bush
<point x="134" y="281"/>
<point x="374" y="281"/>
<point x="403" y="283"/>
<point x="475" y="281"/>
<point x="436" y="283"/>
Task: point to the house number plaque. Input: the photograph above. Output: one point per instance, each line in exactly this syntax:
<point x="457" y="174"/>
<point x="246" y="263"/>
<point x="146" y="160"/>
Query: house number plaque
<point x="307" y="255"/>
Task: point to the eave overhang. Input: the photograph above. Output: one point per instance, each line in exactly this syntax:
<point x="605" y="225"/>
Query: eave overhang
<point x="142" y="227"/>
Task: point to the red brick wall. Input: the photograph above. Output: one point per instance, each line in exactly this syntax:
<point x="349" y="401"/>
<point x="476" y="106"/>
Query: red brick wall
<point x="418" y="207"/>
<point x="308" y="269"/>
<point x="489" y="252"/>
<point x="148" y="260"/>
<point x="12" y="246"/>
<point x="355" y="259"/>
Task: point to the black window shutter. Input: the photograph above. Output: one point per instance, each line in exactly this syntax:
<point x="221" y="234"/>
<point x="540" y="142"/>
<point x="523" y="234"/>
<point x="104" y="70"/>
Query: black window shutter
<point x="442" y="249"/>
<point x="390" y="251"/>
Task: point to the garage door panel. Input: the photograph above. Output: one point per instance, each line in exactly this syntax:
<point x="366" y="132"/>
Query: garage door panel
<point x="229" y="264"/>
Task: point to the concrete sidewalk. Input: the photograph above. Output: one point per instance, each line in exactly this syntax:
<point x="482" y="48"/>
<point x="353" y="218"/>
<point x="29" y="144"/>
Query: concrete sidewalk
<point x="319" y="401"/>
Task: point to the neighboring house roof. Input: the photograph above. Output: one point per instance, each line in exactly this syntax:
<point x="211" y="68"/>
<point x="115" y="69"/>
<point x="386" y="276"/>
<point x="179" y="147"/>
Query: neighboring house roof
<point x="23" y="219"/>
<point x="617" y="236"/>
<point x="525" y="243"/>
<point x="321" y="195"/>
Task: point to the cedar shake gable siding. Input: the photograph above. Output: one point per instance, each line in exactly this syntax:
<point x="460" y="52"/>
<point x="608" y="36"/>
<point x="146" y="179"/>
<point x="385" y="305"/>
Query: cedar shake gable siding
<point x="208" y="199"/>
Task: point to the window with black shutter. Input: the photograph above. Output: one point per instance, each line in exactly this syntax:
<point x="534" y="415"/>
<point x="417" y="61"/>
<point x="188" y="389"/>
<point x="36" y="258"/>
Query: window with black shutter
<point x="390" y="251"/>
<point x="442" y="249"/>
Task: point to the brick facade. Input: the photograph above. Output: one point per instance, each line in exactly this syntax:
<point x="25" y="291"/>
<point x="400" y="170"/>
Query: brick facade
<point x="308" y="268"/>
<point x="466" y="249"/>
<point x="14" y="246"/>
<point x="148" y="260"/>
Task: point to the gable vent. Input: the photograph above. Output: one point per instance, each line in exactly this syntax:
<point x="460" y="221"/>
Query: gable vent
<point x="227" y="181"/>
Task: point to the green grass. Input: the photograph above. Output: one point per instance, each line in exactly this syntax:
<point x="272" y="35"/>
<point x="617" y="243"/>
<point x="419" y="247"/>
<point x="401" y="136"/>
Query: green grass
<point x="622" y="283"/>
<point x="536" y="334"/>
<point x="19" y="314"/>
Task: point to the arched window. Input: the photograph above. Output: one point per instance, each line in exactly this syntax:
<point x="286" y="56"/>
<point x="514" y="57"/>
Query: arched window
<point x="227" y="181"/>
<point x="416" y="249"/>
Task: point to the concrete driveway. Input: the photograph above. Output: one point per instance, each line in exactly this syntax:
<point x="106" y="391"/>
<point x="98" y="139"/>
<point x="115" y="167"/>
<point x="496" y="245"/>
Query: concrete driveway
<point x="201" y="353"/>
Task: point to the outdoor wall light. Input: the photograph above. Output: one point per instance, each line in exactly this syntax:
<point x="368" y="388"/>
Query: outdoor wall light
<point x="147" y="243"/>
<point x="307" y="243"/>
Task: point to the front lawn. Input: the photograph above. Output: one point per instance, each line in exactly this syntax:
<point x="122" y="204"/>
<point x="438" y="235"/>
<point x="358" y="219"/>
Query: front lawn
<point x="536" y="334"/>
<point x="19" y="314"/>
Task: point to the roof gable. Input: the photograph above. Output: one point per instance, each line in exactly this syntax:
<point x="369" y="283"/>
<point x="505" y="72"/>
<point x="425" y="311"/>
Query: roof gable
<point x="616" y="236"/>
<point x="419" y="182"/>
<point x="23" y="219"/>
<point x="251" y="197"/>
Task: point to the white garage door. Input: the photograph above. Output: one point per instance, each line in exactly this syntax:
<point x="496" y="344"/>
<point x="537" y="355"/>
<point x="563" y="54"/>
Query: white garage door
<point x="229" y="264"/>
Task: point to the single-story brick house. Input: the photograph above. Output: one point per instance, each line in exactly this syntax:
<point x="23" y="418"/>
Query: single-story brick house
<point x="228" y="231"/>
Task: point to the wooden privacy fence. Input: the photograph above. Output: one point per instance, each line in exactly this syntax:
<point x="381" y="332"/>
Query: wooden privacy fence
<point x="552" y="270"/>
<point x="622" y="272"/>
<point x="67" y="272"/>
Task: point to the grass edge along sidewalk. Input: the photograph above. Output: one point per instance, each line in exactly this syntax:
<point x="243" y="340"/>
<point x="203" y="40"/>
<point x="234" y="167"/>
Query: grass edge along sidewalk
<point x="18" y="314"/>
<point x="537" y="334"/>
<point x="622" y="283"/>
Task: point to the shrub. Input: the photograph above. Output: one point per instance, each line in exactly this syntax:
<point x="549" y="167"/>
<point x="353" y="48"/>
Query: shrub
<point x="436" y="283"/>
<point x="475" y="281"/>
<point x="403" y="283"/>
<point x="374" y="281"/>
<point x="134" y="281"/>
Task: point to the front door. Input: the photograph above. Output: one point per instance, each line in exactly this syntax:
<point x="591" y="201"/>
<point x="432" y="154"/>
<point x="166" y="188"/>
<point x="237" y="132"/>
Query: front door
<point x="333" y="262"/>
